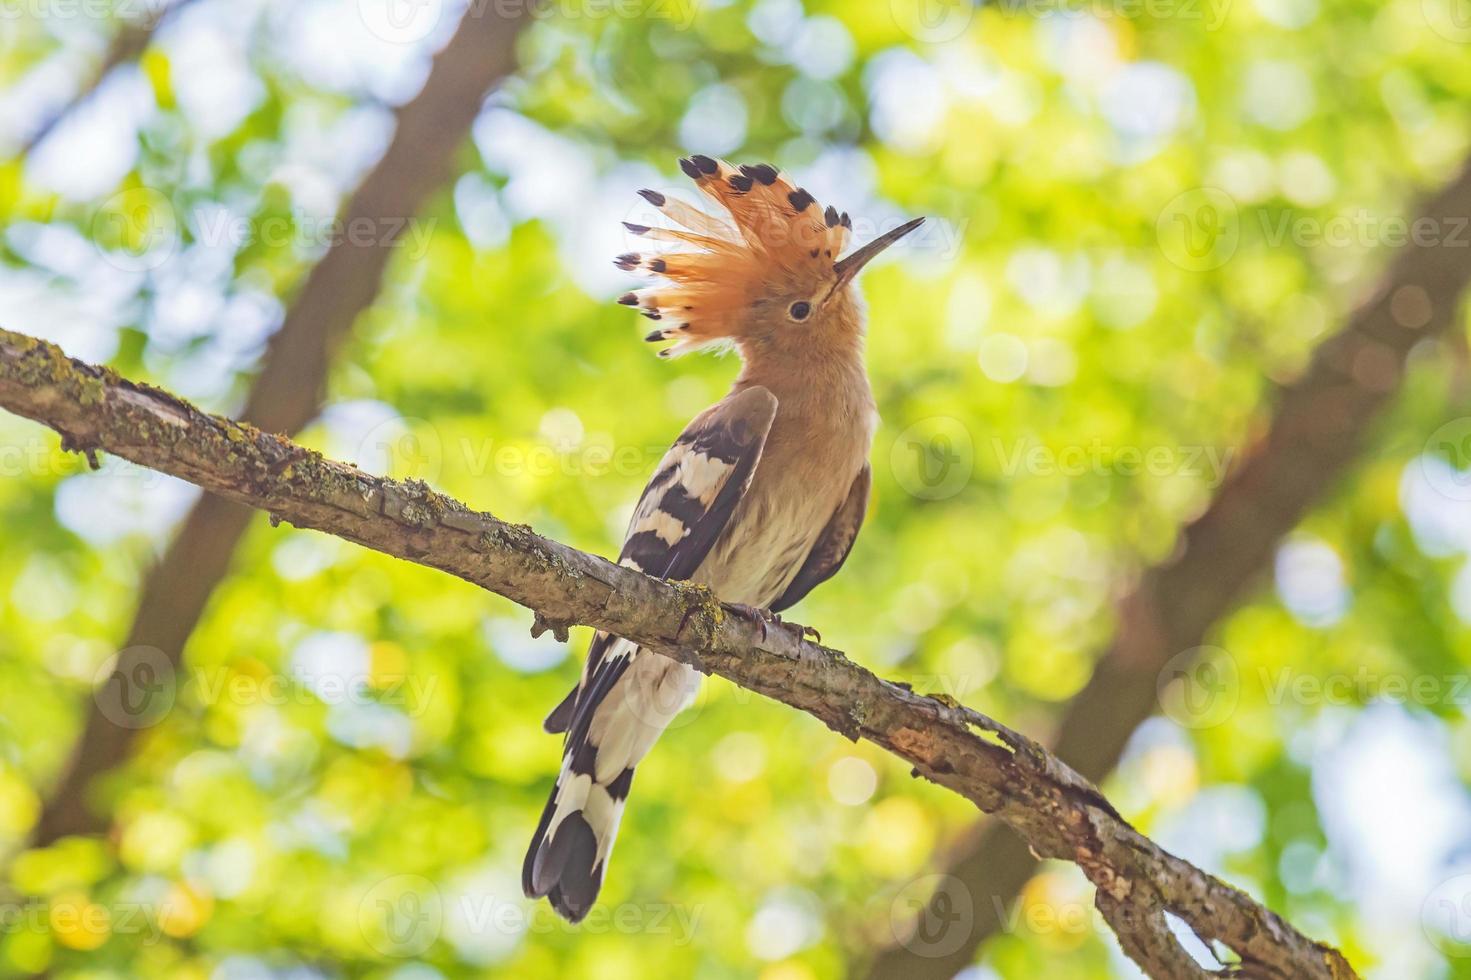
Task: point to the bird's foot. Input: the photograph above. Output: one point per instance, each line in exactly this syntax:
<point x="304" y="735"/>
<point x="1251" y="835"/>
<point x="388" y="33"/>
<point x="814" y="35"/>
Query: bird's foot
<point x="761" y="617"/>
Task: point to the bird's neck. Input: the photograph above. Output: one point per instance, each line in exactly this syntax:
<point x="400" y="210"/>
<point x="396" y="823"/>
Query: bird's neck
<point x="819" y="378"/>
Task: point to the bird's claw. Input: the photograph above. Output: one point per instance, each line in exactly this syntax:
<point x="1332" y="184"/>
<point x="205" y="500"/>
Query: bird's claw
<point x="765" y="617"/>
<point x="762" y="617"/>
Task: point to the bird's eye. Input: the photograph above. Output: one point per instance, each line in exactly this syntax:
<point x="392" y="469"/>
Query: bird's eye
<point x="799" y="311"/>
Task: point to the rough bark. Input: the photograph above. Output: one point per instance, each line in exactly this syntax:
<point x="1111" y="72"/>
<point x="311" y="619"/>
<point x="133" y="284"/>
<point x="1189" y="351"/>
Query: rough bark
<point x="287" y="392"/>
<point x="1058" y="813"/>
<point x="1317" y="430"/>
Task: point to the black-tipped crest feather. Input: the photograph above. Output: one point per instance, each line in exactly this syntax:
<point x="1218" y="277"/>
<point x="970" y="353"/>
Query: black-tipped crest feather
<point x="771" y="231"/>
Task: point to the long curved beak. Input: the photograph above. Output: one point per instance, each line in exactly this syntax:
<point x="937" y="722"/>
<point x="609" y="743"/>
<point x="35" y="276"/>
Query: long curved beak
<point x="847" y="267"/>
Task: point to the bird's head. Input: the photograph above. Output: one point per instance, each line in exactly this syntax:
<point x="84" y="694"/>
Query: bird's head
<point x="773" y="275"/>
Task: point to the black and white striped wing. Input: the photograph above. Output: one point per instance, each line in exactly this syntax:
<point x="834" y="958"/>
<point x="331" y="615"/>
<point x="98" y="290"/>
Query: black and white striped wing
<point x="699" y="482"/>
<point x="683" y="511"/>
<point x="833" y="545"/>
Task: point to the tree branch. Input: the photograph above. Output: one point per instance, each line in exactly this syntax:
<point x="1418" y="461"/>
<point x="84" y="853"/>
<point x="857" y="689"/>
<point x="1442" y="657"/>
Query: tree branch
<point x="1058" y="813"/>
<point x="287" y="392"/>
<point x="1317" y="431"/>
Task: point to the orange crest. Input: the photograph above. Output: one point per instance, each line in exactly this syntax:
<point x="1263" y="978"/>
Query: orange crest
<point x="779" y="240"/>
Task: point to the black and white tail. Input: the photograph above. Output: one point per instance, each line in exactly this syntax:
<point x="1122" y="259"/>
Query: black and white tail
<point x="612" y="719"/>
<point x="628" y="696"/>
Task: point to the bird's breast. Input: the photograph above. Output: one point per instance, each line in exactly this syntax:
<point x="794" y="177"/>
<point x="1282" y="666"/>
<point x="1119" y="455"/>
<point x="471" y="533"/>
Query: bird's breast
<point x="797" y="487"/>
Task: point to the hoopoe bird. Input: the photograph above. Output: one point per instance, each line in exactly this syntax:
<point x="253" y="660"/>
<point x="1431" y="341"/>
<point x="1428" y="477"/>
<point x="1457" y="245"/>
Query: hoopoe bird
<point x="760" y="498"/>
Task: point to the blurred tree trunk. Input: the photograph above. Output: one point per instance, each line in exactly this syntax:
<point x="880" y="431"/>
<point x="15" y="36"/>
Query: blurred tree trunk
<point x="1318" y="427"/>
<point x="286" y="395"/>
<point x="132" y="39"/>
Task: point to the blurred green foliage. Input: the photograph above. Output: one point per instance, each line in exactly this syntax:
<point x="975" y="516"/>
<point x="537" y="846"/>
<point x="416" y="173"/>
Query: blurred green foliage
<point x="1134" y="209"/>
